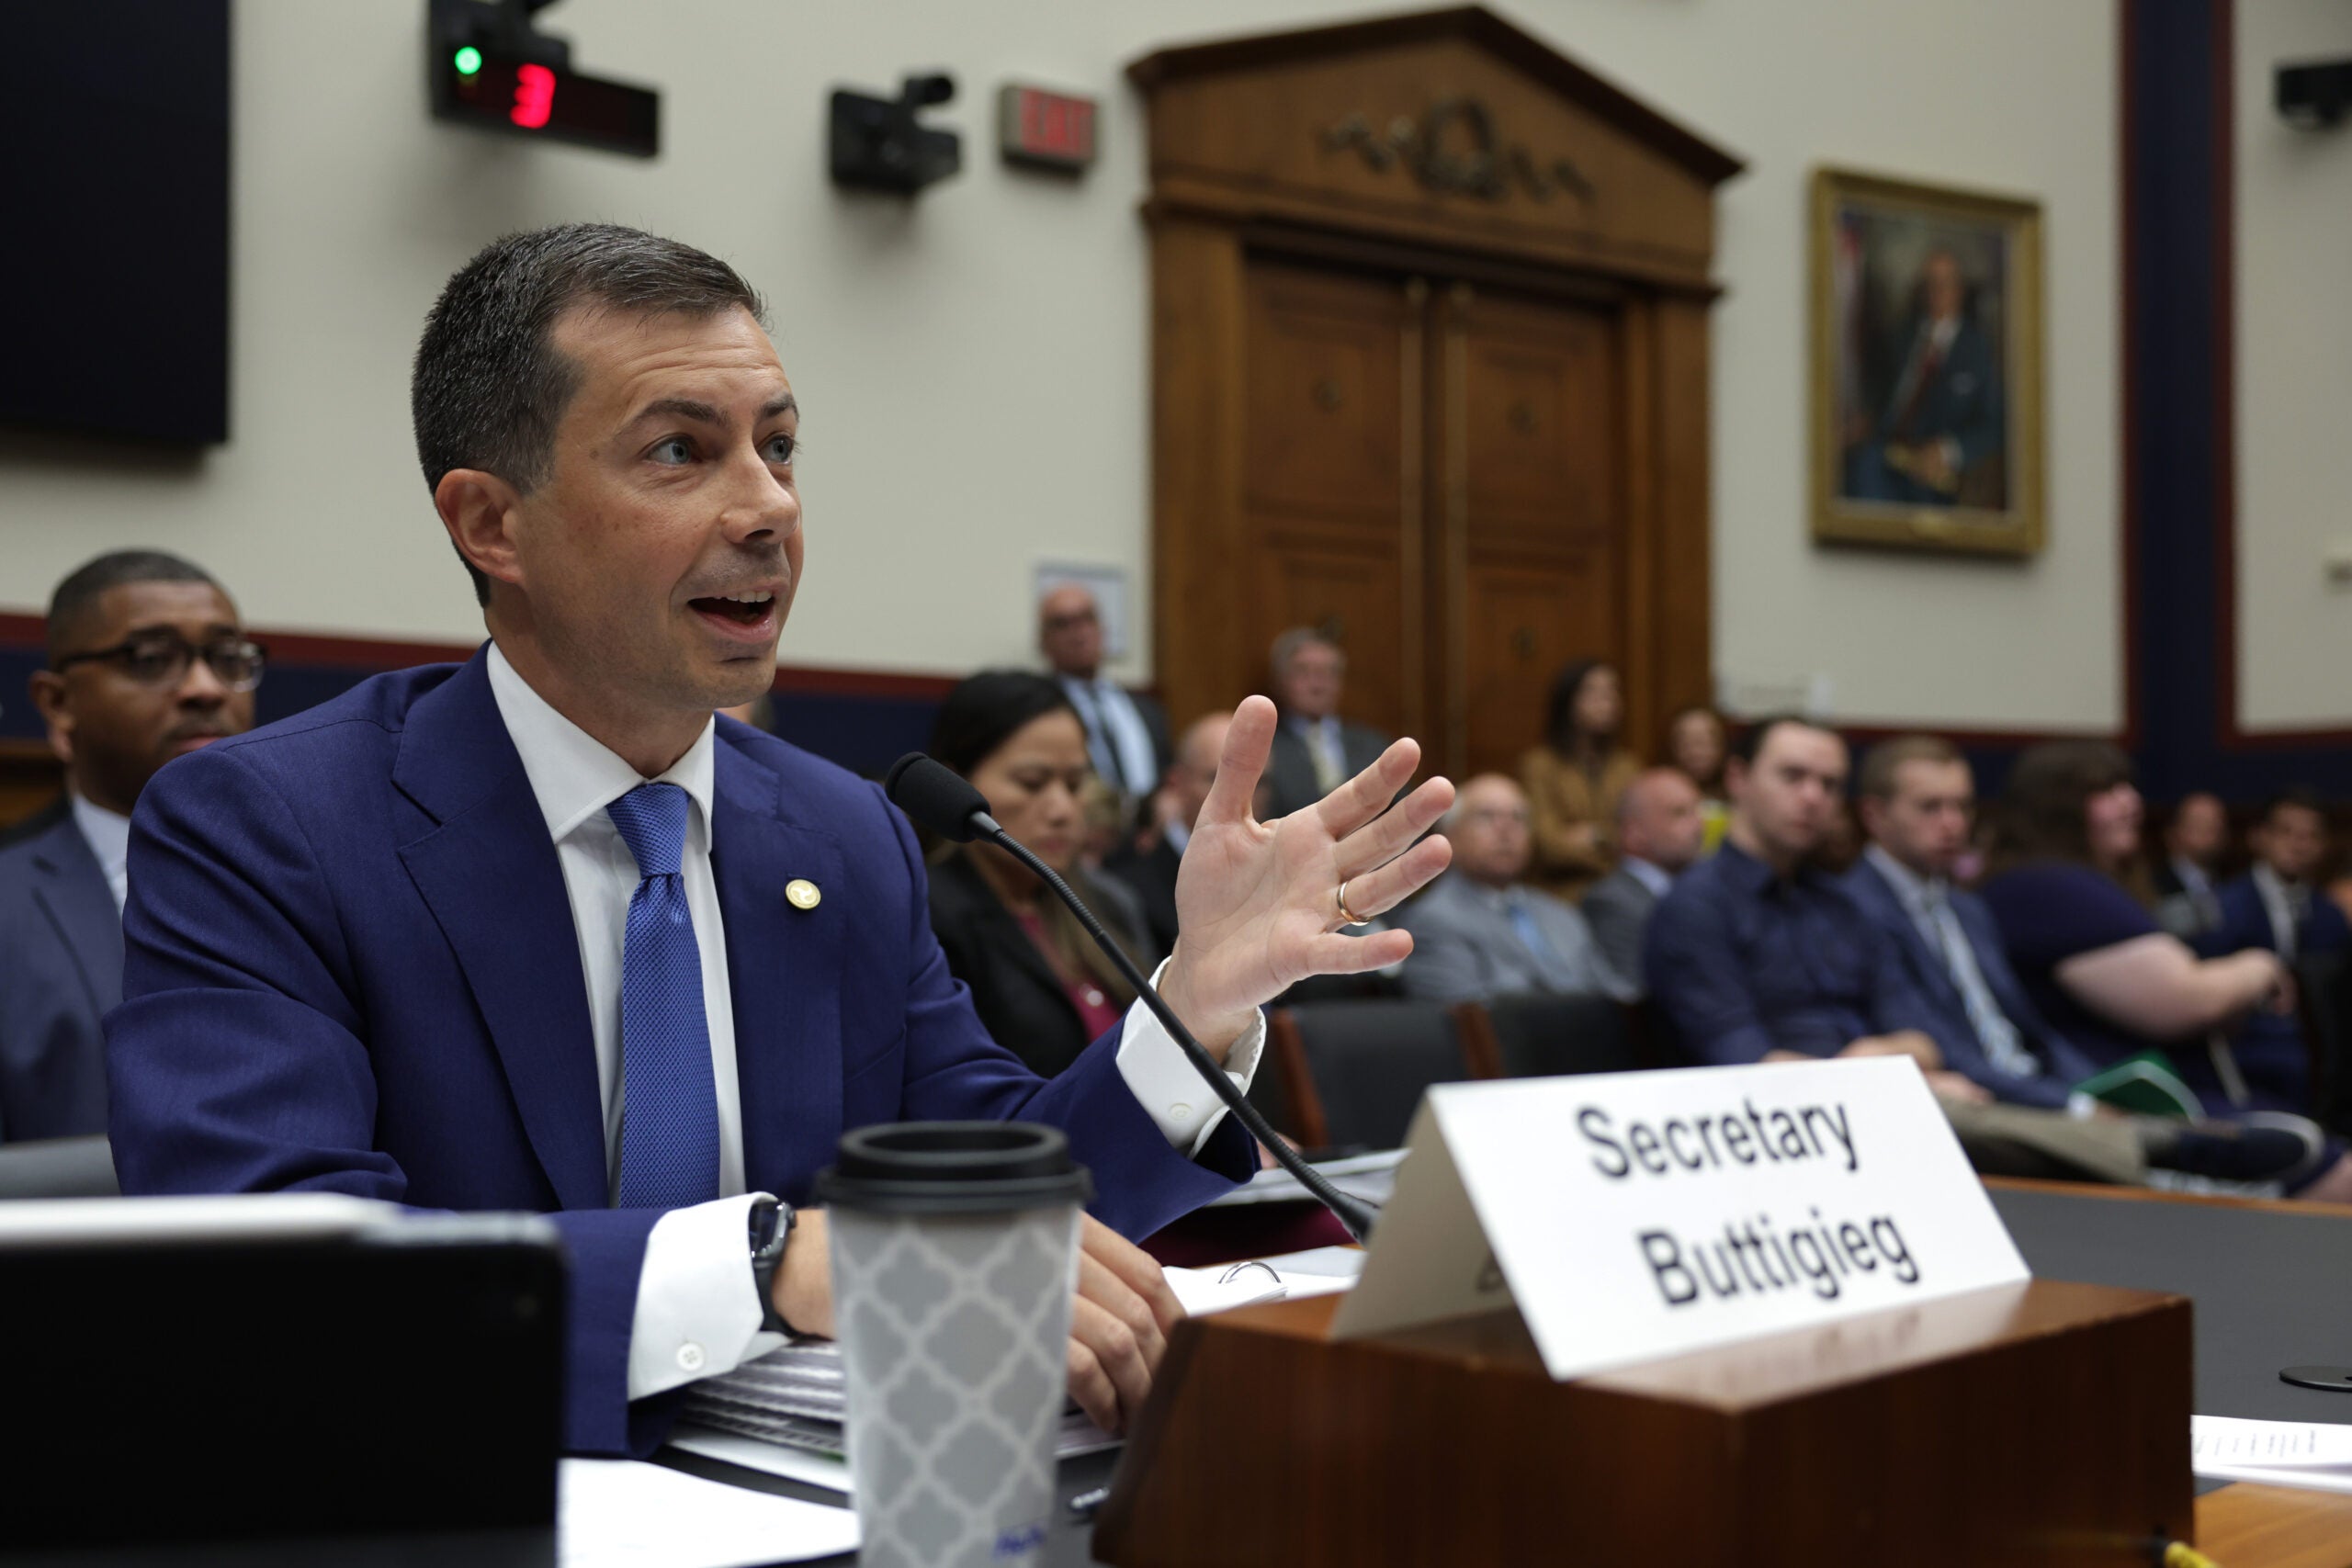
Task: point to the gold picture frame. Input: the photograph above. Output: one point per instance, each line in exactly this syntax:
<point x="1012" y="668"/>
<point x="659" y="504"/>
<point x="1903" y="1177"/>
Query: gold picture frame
<point x="1926" y="373"/>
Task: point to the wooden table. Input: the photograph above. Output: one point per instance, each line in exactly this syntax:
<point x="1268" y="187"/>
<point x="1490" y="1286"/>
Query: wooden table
<point x="2244" y="1526"/>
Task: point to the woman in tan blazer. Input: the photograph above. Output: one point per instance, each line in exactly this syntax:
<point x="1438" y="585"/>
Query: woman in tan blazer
<point x="1574" y="780"/>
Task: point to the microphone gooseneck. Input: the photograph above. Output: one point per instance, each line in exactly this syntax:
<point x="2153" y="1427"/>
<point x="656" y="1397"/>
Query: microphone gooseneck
<point x="945" y="804"/>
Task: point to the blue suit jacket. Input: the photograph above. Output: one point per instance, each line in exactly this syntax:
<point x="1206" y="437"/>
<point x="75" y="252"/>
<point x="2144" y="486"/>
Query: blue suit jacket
<point x="2245" y="923"/>
<point x="60" y="969"/>
<point x="2063" y="1065"/>
<point x="352" y="967"/>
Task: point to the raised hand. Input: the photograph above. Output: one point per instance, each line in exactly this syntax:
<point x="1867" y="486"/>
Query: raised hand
<point x="1257" y="903"/>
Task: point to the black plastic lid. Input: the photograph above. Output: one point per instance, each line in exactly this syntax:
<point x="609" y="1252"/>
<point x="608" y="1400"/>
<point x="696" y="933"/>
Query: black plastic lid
<point x="953" y="1168"/>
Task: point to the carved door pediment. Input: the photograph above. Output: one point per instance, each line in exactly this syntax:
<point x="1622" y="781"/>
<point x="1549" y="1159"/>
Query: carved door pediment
<point x="1448" y="127"/>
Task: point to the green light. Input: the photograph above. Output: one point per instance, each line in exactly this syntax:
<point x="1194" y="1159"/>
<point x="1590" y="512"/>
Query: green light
<point x="469" y="60"/>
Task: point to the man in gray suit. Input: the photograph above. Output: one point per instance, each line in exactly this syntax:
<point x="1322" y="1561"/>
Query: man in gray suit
<point x="1480" y="932"/>
<point x="147" y="661"/>
<point x="1314" y="749"/>
<point x="1659" y="832"/>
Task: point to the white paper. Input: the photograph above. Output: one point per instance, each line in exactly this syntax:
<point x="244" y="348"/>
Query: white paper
<point x="130" y="1222"/>
<point x="1752" y="1201"/>
<point x="1370" y="1178"/>
<point x="620" y="1514"/>
<point x="2279" y="1453"/>
<point x="1205" y="1290"/>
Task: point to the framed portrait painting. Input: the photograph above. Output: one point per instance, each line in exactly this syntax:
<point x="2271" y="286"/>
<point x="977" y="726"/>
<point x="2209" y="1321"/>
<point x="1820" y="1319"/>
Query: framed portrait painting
<point x="1926" y="367"/>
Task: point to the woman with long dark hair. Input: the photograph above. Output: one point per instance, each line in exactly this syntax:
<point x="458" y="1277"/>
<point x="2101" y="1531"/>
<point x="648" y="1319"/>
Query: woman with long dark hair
<point x="1574" y="779"/>
<point x="1041" y="988"/>
<point x="2069" y="890"/>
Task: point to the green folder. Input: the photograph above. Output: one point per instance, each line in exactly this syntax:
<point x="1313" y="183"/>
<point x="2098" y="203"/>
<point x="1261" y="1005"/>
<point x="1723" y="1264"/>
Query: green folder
<point x="2144" y="1084"/>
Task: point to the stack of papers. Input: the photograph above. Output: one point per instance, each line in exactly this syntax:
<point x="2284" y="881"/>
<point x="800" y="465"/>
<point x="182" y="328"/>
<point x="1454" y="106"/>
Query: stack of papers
<point x="1370" y="1178"/>
<point x="618" y="1514"/>
<point x="783" y="1414"/>
<point x="2275" y="1453"/>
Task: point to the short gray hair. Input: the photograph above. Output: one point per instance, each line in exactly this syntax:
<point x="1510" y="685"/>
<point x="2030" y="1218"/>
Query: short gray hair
<point x="1288" y="646"/>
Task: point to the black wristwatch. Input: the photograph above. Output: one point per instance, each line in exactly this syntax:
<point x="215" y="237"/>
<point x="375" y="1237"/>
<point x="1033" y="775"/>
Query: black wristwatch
<point x="771" y="1228"/>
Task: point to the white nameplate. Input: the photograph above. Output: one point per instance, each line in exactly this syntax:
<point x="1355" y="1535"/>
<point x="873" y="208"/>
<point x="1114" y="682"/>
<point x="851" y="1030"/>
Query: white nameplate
<point x="1633" y="1215"/>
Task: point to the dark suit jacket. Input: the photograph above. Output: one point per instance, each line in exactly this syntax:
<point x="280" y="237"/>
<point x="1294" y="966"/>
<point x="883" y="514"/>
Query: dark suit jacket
<point x="351" y="967"/>
<point x="60" y="969"/>
<point x="1153" y="877"/>
<point x="1155" y="723"/>
<point x="2063" y="1065"/>
<point x="1616" y="908"/>
<point x="1290" y="772"/>
<point x="1020" y="999"/>
<point x="2245" y="923"/>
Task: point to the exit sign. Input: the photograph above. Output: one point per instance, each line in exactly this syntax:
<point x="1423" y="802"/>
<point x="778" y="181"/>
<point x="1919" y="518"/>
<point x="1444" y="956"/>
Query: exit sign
<point x="1053" y="130"/>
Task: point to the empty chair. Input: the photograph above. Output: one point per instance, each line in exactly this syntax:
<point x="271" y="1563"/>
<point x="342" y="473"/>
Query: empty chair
<point x="58" y="1167"/>
<point x="1539" y="1036"/>
<point x="1355" y="1071"/>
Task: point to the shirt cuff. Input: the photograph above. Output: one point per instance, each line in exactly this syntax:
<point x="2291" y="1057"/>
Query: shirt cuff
<point x="1164" y="1082"/>
<point x="698" y="1310"/>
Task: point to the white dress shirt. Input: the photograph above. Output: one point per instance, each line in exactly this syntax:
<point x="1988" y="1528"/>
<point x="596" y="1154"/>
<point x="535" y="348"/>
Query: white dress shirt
<point x="2283" y="906"/>
<point x="1655" y="878"/>
<point x="698" y="1314"/>
<point x="108" y="835"/>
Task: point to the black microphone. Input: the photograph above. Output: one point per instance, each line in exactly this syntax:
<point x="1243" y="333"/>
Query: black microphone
<point x="942" y="802"/>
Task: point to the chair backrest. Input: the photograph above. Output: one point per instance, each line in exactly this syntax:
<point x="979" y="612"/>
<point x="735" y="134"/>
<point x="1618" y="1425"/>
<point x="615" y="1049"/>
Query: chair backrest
<point x="1356" y="1070"/>
<point x="58" y="1167"/>
<point x="1543" y="1036"/>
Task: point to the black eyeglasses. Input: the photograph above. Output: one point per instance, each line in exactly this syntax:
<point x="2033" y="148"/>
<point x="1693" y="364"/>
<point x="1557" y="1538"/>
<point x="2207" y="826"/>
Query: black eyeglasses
<point x="162" y="659"/>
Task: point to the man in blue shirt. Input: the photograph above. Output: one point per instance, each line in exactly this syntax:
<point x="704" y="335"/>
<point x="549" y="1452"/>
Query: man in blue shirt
<point x="1757" y="955"/>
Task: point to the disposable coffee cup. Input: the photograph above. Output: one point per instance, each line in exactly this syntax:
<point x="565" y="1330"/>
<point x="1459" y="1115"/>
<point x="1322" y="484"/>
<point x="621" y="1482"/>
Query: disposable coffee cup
<point x="955" y="1255"/>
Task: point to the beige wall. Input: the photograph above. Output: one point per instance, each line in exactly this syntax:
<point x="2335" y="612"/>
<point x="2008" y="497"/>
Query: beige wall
<point x="2294" y="382"/>
<point x="974" y="365"/>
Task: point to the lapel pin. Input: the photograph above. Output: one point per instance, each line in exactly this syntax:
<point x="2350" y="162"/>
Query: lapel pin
<point x="801" y="893"/>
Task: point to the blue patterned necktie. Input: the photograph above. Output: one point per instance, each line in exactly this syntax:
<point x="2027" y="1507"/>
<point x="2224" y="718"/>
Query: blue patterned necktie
<point x="669" y="1104"/>
<point x="1522" y="920"/>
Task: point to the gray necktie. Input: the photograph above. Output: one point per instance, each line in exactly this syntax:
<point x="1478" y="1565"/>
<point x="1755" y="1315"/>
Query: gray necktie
<point x="1994" y="1030"/>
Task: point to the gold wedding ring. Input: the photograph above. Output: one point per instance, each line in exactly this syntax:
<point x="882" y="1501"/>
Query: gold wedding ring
<point x="1348" y="916"/>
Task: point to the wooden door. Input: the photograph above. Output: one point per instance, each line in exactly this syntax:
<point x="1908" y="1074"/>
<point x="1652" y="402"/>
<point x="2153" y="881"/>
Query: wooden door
<point x="1531" y="537"/>
<point x="1331" y="478"/>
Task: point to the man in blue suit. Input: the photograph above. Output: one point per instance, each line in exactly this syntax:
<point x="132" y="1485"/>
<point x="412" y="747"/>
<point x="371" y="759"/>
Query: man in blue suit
<point x="146" y="661"/>
<point x="1918" y="805"/>
<point x="2275" y="905"/>
<point x="538" y="933"/>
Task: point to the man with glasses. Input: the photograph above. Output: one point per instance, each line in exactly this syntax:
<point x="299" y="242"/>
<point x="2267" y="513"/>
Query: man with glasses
<point x="147" y="661"/>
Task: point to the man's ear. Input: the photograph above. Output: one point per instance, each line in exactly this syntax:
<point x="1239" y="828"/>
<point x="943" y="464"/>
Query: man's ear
<point x="48" y="689"/>
<point x="477" y="508"/>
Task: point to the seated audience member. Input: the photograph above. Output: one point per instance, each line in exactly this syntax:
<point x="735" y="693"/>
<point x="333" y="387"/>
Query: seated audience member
<point x="1149" y="863"/>
<point x="2188" y="878"/>
<point x="1314" y="749"/>
<point x="1127" y="732"/>
<point x="2094" y="960"/>
<point x="1660" y="833"/>
<point x="1480" y="931"/>
<point x="1695" y="742"/>
<point x="147" y="661"/>
<point x="1573" y="779"/>
<point x="1757" y="956"/>
<point x="2276" y="903"/>
<point x="1917" y="803"/>
<point x="1041" y="988"/>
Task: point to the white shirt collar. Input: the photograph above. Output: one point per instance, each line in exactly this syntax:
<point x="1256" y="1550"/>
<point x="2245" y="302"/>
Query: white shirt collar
<point x="108" y="835"/>
<point x="1654" y="877"/>
<point x="1909" y="885"/>
<point x="573" y="775"/>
